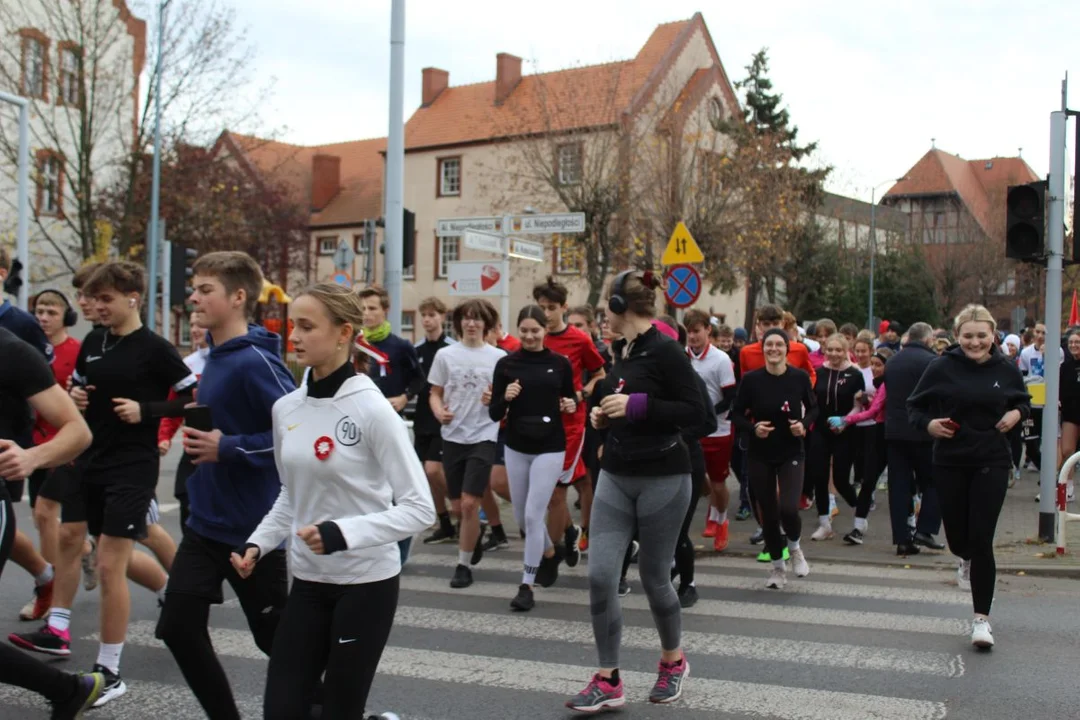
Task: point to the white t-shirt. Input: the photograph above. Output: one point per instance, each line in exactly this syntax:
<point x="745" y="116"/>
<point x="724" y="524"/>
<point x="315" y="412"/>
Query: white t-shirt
<point x="464" y="373"/>
<point x="716" y="369"/>
<point x="1031" y="362"/>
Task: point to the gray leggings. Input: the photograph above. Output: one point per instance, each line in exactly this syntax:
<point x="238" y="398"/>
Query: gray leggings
<point x="654" y="508"/>
<point x="532" y="480"/>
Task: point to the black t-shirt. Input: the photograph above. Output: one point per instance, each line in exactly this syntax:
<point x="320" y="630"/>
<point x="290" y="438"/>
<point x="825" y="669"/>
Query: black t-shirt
<point x="776" y="399"/>
<point x="140" y="366"/>
<point x="534" y="424"/>
<point x="25" y="374"/>
<point x="424" y="422"/>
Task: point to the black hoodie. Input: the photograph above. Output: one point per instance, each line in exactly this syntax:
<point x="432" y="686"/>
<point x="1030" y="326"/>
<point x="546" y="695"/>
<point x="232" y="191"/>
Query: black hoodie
<point x="836" y="390"/>
<point x="975" y="396"/>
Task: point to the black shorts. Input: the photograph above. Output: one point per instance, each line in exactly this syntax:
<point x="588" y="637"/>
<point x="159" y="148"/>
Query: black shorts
<point x="202" y="565"/>
<point x="113" y="510"/>
<point x="428" y="447"/>
<point x="500" y="449"/>
<point x="15" y="489"/>
<point x="467" y="468"/>
<point x="55" y="484"/>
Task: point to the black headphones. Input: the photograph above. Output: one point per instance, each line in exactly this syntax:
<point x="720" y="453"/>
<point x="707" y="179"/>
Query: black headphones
<point x="71" y="318"/>
<point x="617" y="301"/>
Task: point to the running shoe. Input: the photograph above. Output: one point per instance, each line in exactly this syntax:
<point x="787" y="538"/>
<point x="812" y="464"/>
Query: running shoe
<point x="89" y="567"/>
<point x="806" y="502"/>
<point x="583" y="543"/>
<point x="624" y="587"/>
<point x="87" y="692"/>
<point x="462" y="577"/>
<point x="777" y="579"/>
<point x="496" y="541"/>
<point x="478" y="550"/>
<point x="824" y="532"/>
<point x="523" y="601"/>
<point x="688" y="596"/>
<point x="598" y="695"/>
<point x="39" y="606"/>
<point x="570" y="541"/>
<point x="710" y="528"/>
<point x="113" y="687"/>
<point x="47" y="640"/>
<point x="963" y="575"/>
<point x="744" y="513"/>
<point x="982" y="635"/>
<point x="758" y="537"/>
<point x="440" y="536"/>
<point x="855" y="537"/>
<point x="384" y="716"/>
<point x="764" y="556"/>
<point x="548" y="572"/>
<point x="799" y="564"/>
<point x="720" y="541"/>
<point x="669" y="681"/>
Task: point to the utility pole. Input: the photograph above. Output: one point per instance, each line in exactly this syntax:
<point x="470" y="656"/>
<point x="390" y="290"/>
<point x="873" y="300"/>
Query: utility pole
<point x="395" y="165"/>
<point x="153" y="244"/>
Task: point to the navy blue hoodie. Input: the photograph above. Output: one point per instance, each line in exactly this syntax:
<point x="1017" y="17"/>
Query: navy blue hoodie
<point x="242" y="380"/>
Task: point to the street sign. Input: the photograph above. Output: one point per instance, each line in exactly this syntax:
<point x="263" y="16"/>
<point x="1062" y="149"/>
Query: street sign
<point x="681" y="248"/>
<point x="487" y="242"/>
<point x="343" y="256"/>
<point x="341" y="278"/>
<point x="526" y="250"/>
<point x="682" y="286"/>
<point x="453" y="227"/>
<point x="475" y="278"/>
<point x="548" y="224"/>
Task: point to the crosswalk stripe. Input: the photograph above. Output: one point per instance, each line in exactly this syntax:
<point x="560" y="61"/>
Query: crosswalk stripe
<point x="718" y="608"/>
<point x="695" y="643"/>
<point x="730" y="582"/>
<point x="721" y="696"/>
<point x="857" y="570"/>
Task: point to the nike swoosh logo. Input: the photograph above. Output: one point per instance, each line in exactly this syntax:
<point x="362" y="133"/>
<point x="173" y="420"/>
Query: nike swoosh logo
<point x="290" y="428"/>
<point x="343" y="641"/>
<point x="92" y="358"/>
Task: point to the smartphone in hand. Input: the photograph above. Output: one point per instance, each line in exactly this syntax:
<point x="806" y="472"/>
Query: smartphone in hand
<point x="951" y="424"/>
<point x="198" y="417"/>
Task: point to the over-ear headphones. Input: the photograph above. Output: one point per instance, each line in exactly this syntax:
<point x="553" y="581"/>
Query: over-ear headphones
<point x="71" y="318"/>
<point x="617" y="302"/>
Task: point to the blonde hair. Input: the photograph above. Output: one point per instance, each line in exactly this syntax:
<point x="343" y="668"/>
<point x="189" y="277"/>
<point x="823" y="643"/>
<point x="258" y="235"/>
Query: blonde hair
<point x="974" y="313"/>
<point x="826" y="326"/>
<point x="342" y="305"/>
<point x="869" y="342"/>
<point x="866" y="335"/>
<point x="838" y="338"/>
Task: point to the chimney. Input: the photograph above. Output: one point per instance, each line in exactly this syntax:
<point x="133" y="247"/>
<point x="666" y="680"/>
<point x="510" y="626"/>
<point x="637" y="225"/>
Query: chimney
<point x="325" y="180"/>
<point x="435" y="81"/>
<point x="507" y="75"/>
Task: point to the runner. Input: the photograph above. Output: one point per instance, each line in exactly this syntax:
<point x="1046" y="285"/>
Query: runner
<point x="532" y="388"/>
<point x="1070" y="405"/>
<point x="458" y="377"/>
<point x="1033" y="368"/>
<point x="968" y="400"/>
<point x="352" y="488"/>
<point x="775" y="406"/>
<point x="28" y="384"/>
<point x="873" y="454"/>
<point x="644" y="485"/>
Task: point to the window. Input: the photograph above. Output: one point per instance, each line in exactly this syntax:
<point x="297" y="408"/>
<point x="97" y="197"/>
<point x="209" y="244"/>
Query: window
<point x="34" y="64"/>
<point x="568" y="163"/>
<point x="408" y="324"/>
<point x="448" y="327"/>
<point x="50" y="200"/>
<point x="185" y="329"/>
<point x="449" y="177"/>
<point x="68" y="92"/>
<point x="448" y="250"/>
<point x="567" y="255"/>
<point x="327" y="245"/>
<point x="409" y="272"/>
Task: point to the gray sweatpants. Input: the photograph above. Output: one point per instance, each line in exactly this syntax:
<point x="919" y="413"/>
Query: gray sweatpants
<point x="532" y="480"/>
<point x="654" y="507"/>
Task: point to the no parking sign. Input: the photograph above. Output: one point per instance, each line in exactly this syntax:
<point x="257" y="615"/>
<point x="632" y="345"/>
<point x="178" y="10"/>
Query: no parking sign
<point x="682" y="285"/>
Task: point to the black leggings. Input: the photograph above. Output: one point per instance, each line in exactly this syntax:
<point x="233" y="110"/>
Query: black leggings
<point x="684" y="549"/>
<point x="777" y="487"/>
<point x="339" y="629"/>
<point x="16" y="667"/>
<point x="829" y="450"/>
<point x="971" y="499"/>
<point x="873" y="458"/>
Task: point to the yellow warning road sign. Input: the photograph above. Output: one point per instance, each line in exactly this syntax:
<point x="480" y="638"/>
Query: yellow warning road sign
<point x="681" y="248"/>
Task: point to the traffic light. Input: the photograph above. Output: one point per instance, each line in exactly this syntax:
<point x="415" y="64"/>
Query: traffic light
<point x="1025" y="222"/>
<point x="14" y="280"/>
<point x="180" y="273"/>
<point x="408" y="238"/>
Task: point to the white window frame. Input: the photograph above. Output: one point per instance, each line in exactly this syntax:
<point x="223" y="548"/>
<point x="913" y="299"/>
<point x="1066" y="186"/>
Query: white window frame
<point x="51" y="185"/>
<point x="445" y="178"/>
<point x="449" y="250"/>
<point x="34" y="68"/>
<point x="323" y="244"/>
<point x="569" y="162"/>
<point x="448" y="326"/>
<point x="185" y="330"/>
<point x="69" y="76"/>
<point x="408" y="324"/>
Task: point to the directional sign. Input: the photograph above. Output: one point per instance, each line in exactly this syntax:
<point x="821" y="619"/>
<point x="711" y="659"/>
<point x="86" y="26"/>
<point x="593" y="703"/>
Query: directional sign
<point x="474" y="278"/>
<point x="682" y="286"/>
<point x="453" y="227"/>
<point x="681" y="248"/>
<point x="548" y="224"/>
<point x="485" y="241"/>
<point x="526" y="250"/>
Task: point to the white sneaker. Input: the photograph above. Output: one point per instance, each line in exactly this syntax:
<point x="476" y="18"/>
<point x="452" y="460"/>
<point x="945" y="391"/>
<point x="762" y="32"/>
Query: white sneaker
<point x="824" y="532"/>
<point x="963" y="576"/>
<point x="777" y="579"/>
<point x="799" y="564"/>
<point x="981" y="634"/>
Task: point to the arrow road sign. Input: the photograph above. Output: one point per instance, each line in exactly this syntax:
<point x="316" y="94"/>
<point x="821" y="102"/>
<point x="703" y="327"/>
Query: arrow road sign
<point x="683" y="286"/>
<point x="526" y="250"/>
<point x="474" y="278"/>
<point x="485" y="241"/>
<point x="681" y="248"/>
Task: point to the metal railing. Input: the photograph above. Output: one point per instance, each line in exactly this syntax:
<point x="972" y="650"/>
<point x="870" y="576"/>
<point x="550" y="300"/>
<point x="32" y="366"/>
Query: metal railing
<point x="1061" y="501"/>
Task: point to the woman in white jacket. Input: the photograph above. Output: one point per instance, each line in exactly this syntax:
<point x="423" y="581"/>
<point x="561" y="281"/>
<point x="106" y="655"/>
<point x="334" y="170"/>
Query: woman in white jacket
<point x="352" y="487"/>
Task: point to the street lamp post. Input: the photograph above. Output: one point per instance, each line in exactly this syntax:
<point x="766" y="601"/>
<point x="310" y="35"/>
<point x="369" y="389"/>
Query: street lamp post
<point x="153" y="240"/>
<point x="873" y="246"/>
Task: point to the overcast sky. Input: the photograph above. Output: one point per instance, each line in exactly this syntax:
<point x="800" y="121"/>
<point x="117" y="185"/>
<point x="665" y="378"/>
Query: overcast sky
<point x="872" y="82"/>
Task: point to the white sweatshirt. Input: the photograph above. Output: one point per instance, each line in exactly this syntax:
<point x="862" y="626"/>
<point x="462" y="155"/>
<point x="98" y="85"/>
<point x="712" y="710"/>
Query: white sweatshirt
<point x="347" y="459"/>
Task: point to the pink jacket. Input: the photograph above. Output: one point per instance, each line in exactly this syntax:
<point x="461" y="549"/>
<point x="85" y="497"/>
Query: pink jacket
<point x="876" y="411"/>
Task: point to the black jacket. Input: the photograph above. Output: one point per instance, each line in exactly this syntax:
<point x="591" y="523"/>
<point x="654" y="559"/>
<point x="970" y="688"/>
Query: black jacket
<point x="975" y="396"/>
<point x="902" y="373"/>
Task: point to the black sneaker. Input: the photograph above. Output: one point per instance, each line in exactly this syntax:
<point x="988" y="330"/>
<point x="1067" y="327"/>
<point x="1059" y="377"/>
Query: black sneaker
<point x="462" y="577"/>
<point x="87" y="691"/>
<point x="113" y="688"/>
<point x="384" y="716"/>
<point x="624" y="587"/>
<point x="758" y="537"/>
<point x="523" y="601"/>
<point x="688" y="596"/>
<point x="855" y="537"/>
<point x="570" y="540"/>
<point x="496" y="541"/>
<point x="548" y="572"/>
<point x="478" y="551"/>
<point x="440" y="536"/>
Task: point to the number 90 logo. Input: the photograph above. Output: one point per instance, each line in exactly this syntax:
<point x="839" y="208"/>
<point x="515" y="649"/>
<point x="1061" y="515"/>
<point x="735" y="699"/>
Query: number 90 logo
<point x="346" y="432"/>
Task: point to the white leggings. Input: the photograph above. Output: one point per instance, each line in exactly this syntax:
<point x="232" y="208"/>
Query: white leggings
<point x="532" y="480"/>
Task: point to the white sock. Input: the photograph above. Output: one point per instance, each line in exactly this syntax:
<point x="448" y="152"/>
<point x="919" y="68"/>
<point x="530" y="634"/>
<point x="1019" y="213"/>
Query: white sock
<point x="860" y="524"/>
<point x="832" y="501"/>
<point x="721" y="517"/>
<point x="714" y="514"/>
<point x="779" y="565"/>
<point x="825" y="521"/>
<point x="109" y="656"/>
<point x="60" y="619"/>
<point x="793" y="545"/>
<point x="161" y="593"/>
<point x="46" y="576"/>
<point x="464" y="557"/>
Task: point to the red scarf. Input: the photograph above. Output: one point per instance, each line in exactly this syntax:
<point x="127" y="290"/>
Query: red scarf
<point x="375" y="354"/>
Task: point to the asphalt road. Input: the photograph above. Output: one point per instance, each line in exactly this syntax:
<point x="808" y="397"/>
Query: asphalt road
<point x="848" y="643"/>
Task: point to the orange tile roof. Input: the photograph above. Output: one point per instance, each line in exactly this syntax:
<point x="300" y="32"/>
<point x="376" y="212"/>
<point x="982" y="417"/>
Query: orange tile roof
<point x="980" y="184"/>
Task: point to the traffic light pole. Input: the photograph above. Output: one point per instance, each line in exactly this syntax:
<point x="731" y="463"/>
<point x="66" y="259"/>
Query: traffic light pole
<point x="1055" y="236"/>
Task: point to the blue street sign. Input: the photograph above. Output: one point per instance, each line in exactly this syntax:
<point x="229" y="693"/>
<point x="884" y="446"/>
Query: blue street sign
<point x="683" y="286"/>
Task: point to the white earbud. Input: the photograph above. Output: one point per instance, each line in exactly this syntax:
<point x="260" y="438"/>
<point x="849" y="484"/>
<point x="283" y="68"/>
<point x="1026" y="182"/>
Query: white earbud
<point x="131" y="302"/>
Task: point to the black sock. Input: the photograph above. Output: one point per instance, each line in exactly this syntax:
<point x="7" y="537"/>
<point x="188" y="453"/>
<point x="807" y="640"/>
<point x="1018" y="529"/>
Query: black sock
<point x="498" y="532"/>
<point x="444" y="523"/>
<point x="614" y="679"/>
